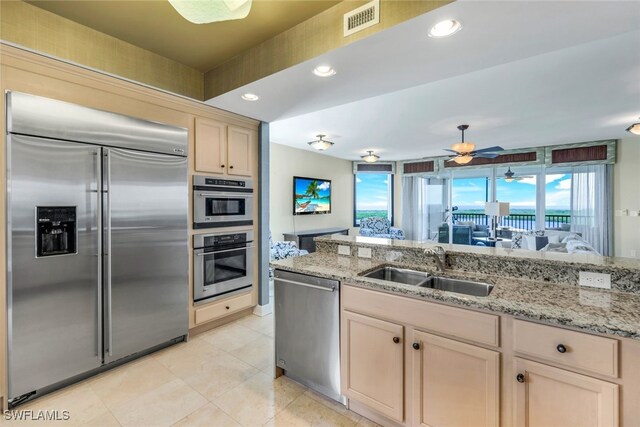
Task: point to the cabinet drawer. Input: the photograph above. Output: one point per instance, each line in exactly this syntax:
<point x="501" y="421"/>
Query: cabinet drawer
<point x="222" y="308"/>
<point x="442" y="319"/>
<point x="573" y="349"/>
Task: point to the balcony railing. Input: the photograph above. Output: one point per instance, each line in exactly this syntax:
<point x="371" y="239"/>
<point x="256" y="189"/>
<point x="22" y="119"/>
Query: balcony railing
<point x="521" y="221"/>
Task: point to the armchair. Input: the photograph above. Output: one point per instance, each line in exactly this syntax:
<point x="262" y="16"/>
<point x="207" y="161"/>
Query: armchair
<point x="283" y="250"/>
<point x="380" y="227"/>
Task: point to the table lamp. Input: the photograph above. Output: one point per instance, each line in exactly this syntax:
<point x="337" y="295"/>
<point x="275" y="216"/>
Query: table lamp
<point x="496" y="210"/>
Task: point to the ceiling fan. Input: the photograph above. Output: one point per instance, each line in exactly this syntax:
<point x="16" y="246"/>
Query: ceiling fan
<point x="509" y="176"/>
<point x="465" y="151"/>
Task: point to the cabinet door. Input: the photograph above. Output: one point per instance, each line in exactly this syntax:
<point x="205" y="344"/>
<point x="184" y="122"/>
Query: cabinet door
<point x="373" y="366"/>
<point x="546" y="397"/>
<point x="211" y="146"/>
<point x="454" y="384"/>
<point x="240" y="149"/>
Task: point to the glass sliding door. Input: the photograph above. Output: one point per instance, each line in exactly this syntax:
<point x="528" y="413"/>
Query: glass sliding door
<point x="424" y="207"/>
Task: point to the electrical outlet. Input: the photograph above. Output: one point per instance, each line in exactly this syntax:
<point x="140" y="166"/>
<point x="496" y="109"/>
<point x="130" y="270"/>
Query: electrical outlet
<point x="344" y="250"/>
<point x="622" y="212"/>
<point x="634" y="213"/>
<point x="364" y="252"/>
<point x="595" y="280"/>
<point x="633" y="253"/>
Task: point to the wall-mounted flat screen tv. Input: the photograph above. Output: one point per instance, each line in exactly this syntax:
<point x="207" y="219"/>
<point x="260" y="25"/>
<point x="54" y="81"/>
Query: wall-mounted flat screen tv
<point x="311" y="196"/>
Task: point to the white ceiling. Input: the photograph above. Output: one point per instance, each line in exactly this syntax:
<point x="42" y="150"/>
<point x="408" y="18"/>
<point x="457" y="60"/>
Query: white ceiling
<point x="521" y="74"/>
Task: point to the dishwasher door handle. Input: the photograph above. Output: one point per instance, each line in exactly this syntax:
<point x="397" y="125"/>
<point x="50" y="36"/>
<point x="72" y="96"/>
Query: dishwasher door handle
<point x="307" y="285"/>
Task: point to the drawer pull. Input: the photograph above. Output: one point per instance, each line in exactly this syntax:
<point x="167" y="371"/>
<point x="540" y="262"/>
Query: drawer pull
<point x="520" y="378"/>
<point x="416" y="346"/>
<point x="396" y="340"/>
<point x="561" y="348"/>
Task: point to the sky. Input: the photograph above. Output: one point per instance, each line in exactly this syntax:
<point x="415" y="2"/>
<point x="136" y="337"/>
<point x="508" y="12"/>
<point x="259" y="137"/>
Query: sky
<point x="470" y="193"/>
<point x="372" y="191"/>
<point x="323" y="187"/>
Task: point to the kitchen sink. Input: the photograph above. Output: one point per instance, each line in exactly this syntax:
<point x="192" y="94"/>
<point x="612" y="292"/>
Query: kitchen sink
<point x="466" y="287"/>
<point x="426" y="280"/>
<point x="399" y="275"/>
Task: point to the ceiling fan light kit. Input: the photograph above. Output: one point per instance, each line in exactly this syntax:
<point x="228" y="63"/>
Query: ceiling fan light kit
<point x="370" y="157"/>
<point x="320" y="144"/>
<point x="466" y="151"/>
<point x="508" y="175"/>
<point x="207" y="11"/>
<point x="634" y="128"/>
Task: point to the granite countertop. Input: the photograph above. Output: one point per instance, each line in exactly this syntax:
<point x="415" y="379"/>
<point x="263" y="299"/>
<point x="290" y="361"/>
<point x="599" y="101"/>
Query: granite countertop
<point x="608" y="312"/>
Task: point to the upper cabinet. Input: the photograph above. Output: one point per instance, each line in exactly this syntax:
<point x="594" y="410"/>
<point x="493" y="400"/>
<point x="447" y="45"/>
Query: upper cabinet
<point x="223" y="149"/>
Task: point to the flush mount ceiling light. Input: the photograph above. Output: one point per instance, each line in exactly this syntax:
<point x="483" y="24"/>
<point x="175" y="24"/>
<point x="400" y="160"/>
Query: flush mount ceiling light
<point x="634" y="128"/>
<point x="445" y="28"/>
<point x="320" y="144"/>
<point x="207" y="11"/>
<point x="324" y="71"/>
<point x="370" y="157"/>
<point x="250" y="97"/>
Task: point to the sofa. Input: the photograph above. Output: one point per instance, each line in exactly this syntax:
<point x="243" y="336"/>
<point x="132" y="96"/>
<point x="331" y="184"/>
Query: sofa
<point x="380" y="227"/>
<point x="549" y="241"/>
<point x="464" y="233"/>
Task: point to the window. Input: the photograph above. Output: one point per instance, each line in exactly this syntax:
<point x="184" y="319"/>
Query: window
<point x="521" y="191"/>
<point x="373" y="194"/>
<point x="558" y="201"/>
<point x="468" y="197"/>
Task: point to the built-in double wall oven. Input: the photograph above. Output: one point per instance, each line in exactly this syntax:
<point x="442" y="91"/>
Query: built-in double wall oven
<point x="222" y="265"/>
<point x="222" y="202"/>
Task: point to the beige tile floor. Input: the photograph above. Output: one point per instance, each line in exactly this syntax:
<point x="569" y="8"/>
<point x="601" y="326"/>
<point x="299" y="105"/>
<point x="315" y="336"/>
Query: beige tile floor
<point x="223" y="377"/>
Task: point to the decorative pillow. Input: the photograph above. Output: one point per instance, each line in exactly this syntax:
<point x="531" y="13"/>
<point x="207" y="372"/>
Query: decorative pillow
<point x="516" y="241"/>
<point x="554" y="239"/>
<point x="469" y="223"/>
<point x="572" y="236"/>
<point x="535" y="243"/>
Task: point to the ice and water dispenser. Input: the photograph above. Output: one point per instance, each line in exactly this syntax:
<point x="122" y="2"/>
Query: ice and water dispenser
<point x="55" y="230"/>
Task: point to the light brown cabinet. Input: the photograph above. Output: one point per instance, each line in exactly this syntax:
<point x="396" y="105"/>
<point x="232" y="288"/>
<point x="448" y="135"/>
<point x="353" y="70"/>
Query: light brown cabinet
<point x="223" y="149"/>
<point x="546" y="397"/>
<point x="373" y="363"/>
<point x="454" y="384"/>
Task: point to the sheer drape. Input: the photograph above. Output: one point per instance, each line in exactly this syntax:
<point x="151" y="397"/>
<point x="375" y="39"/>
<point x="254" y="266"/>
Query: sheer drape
<point x="423" y="206"/>
<point x="592" y="205"/>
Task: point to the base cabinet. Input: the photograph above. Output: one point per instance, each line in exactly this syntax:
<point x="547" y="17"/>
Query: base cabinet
<point x="454" y="384"/>
<point x="545" y="396"/>
<point x="373" y="363"/>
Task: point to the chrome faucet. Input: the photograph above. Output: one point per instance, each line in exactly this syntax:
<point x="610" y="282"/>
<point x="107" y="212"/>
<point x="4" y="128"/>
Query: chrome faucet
<point x="439" y="254"/>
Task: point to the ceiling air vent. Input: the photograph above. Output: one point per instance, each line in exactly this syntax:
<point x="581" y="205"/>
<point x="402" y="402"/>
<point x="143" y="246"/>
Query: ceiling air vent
<point x="362" y="17"/>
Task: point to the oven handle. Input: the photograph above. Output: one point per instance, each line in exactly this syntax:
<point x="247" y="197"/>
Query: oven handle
<point x="242" y="195"/>
<point x="225" y="250"/>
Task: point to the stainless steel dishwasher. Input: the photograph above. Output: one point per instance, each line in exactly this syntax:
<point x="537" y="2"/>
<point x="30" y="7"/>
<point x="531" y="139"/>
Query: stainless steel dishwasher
<point x="307" y="310"/>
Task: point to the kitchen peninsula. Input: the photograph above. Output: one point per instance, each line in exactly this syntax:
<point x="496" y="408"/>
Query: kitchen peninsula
<point x="538" y="340"/>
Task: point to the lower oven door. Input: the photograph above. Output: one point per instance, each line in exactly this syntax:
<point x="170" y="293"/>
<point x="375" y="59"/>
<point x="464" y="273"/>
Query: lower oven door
<point x="222" y="209"/>
<point x="220" y="273"/>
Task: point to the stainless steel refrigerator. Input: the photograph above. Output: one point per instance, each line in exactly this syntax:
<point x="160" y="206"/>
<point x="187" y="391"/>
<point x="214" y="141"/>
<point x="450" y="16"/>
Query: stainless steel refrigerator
<point x="97" y="249"/>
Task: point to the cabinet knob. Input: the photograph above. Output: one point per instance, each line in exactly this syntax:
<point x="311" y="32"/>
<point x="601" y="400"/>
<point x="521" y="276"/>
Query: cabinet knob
<point x="231" y="167"/>
<point x="227" y="307"/>
<point x="396" y="340"/>
<point x="520" y="378"/>
<point x="561" y="348"/>
<point x="416" y="346"/>
<point x="221" y="166"/>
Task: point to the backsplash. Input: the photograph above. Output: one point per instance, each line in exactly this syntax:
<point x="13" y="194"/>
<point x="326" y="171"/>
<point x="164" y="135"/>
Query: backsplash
<point x="547" y="268"/>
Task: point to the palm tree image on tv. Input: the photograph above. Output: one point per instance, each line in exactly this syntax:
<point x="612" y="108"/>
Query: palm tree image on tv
<point x="312" y="195"/>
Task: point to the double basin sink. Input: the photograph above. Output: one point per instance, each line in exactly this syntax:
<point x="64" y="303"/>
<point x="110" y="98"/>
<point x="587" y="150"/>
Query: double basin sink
<point x="427" y="280"/>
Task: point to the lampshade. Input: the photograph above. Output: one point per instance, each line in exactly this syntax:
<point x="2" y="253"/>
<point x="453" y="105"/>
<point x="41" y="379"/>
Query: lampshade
<point x="370" y="157"/>
<point x="206" y="11"/>
<point x="496" y="208"/>
<point x="463" y="147"/>
<point x="462" y="160"/>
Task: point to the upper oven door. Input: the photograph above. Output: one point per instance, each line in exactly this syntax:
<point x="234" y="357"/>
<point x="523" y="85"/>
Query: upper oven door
<point x="220" y="271"/>
<point x="222" y="206"/>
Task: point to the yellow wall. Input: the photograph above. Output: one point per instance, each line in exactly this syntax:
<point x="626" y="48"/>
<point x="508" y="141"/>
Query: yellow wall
<point x="626" y="187"/>
<point x="287" y="162"/>
<point x="43" y="31"/>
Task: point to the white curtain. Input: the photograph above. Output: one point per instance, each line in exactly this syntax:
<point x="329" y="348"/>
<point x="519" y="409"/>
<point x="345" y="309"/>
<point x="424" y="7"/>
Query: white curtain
<point x="423" y="206"/>
<point x="592" y="205"/>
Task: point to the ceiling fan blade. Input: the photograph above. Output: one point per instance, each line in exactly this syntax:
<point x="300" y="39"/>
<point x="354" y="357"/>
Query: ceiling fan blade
<point x="485" y="155"/>
<point x="489" y="149"/>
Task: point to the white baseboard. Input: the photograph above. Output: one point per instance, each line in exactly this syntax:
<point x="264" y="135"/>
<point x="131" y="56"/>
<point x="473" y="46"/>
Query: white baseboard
<point x="263" y="310"/>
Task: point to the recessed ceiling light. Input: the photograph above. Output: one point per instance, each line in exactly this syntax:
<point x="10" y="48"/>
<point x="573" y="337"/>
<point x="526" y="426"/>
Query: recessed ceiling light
<point x="250" y="97"/>
<point x="445" y="28"/>
<point x="324" y="71"/>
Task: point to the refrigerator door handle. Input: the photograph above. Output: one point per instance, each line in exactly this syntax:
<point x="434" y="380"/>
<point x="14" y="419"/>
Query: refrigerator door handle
<point x="98" y="155"/>
<point x="106" y="167"/>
